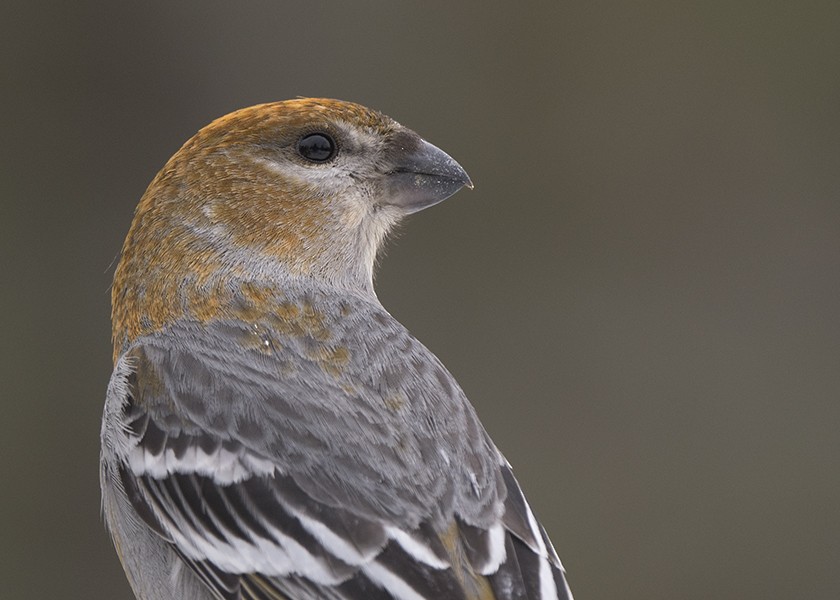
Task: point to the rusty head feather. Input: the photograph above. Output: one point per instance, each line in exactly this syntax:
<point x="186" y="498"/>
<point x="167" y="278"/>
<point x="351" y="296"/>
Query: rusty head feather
<point x="240" y="200"/>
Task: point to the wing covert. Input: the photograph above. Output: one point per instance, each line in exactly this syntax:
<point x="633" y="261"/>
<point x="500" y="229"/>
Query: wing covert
<point x="274" y="475"/>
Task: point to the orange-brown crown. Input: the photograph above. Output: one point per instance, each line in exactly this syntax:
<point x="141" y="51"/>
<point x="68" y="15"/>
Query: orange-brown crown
<point x="242" y="201"/>
<point x="219" y="194"/>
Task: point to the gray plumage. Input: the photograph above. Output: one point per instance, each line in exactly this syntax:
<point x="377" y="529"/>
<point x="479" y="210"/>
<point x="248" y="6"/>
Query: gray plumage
<point x="345" y="418"/>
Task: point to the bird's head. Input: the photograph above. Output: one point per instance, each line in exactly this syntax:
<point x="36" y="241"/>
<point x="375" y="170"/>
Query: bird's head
<point x="301" y="189"/>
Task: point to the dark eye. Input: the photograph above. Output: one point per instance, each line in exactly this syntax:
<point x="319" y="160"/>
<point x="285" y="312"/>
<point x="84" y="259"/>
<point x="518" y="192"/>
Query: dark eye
<point x="317" y="147"/>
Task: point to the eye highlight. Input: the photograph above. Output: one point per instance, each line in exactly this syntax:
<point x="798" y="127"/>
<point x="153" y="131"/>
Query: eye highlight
<point x="317" y="147"/>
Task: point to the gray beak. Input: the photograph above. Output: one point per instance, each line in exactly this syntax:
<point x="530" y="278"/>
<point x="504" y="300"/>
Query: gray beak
<point x="422" y="176"/>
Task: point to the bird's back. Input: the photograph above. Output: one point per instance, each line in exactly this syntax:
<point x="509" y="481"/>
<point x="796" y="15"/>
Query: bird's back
<point x="323" y="411"/>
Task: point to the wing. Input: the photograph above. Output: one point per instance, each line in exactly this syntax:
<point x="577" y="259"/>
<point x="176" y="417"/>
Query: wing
<point x="295" y="469"/>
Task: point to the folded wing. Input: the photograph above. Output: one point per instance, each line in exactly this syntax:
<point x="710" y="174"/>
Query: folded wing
<point x="264" y="500"/>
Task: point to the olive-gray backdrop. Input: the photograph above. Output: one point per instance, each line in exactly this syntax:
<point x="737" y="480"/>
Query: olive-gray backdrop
<point x="641" y="296"/>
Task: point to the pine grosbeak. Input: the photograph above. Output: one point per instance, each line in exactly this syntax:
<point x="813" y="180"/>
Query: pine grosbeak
<point x="270" y="431"/>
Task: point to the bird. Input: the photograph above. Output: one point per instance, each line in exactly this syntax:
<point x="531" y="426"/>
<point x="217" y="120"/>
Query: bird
<point x="270" y="431"/>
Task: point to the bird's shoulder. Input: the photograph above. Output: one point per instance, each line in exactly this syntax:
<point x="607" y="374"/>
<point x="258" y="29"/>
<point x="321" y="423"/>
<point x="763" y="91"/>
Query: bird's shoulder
<point x="320" y="425"/>
<point x="324" y="387"/>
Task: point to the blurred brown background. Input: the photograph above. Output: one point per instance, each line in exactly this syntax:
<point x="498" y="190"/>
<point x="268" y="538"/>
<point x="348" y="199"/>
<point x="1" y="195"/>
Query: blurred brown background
<point x="640" y="296"/>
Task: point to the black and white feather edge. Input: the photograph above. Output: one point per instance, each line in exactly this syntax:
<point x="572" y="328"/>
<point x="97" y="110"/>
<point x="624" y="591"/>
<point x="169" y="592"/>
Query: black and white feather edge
<point x="250" y="530"/>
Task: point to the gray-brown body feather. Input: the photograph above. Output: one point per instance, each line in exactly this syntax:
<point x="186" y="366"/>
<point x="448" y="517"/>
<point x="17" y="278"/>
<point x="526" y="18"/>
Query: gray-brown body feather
<point x="361" y="425"/>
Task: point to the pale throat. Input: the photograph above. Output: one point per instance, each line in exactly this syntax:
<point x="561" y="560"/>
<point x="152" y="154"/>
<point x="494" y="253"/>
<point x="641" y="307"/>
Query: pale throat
<point x="342" y="253"/>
